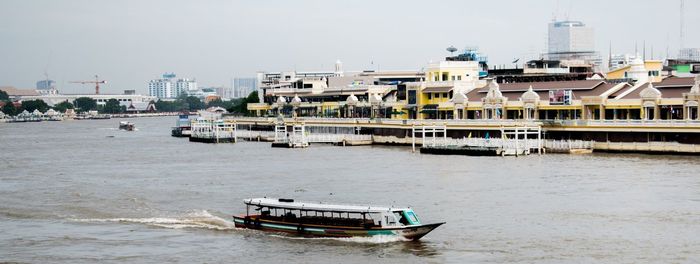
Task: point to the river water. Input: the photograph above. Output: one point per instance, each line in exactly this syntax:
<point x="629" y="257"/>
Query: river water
<point x="85" y="192"/>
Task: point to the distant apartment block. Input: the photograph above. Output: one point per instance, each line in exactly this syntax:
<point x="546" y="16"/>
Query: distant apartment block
<point x="689" y="54"/>
<point x="242" y="87"/>
<point x="169" y="87"/>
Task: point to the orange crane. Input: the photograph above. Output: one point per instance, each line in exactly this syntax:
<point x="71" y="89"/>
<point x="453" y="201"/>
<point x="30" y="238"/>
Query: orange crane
<point x="97" y="82"/>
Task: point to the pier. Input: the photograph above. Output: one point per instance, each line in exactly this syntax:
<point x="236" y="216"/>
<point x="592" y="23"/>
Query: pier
<point x="287" y="135"/>
<point x="514" y="141"/>
<point x="556" y="136"/>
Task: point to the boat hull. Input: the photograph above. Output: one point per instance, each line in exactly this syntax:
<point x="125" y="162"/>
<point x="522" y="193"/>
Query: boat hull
<point x="413" y="232"/>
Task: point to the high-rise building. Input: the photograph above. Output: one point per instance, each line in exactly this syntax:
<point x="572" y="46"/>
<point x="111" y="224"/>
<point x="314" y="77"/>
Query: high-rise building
<point x="572" y="40"/>
<point x="161" y="88"/>
<point x="242" y="87"/>
<point x="169" y="87"/>
<point x="46" y="87"/>
<point x="570" y="36"/>
<point x="184" y="86"/>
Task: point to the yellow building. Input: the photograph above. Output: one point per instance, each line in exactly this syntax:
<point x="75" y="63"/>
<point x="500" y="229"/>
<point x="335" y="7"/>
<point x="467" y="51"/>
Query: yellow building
<point x="635" y="68"/>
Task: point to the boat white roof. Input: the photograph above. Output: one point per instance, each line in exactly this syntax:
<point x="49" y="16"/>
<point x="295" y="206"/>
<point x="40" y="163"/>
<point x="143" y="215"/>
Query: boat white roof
<point x="317" y="206"/>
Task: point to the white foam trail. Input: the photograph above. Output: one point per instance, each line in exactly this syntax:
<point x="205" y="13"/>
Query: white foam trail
<point x="378" y="239"/>
<point x="199" y="219"/>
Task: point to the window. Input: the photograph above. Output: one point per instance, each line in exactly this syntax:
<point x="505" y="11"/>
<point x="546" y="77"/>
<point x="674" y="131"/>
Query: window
<point x="459" y="77"/>
<point x="430" y="96"/>
<point x="412" y="97"/>
<point x="308" y="85"/>
<point x="453" y="78"/>
<point x="444" y="95"/>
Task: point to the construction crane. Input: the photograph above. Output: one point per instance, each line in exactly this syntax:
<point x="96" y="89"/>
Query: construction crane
<point x="97" y="82"/>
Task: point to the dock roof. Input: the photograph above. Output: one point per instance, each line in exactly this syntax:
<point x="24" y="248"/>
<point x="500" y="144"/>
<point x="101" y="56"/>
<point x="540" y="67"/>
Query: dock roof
<point x="316" y="206"/>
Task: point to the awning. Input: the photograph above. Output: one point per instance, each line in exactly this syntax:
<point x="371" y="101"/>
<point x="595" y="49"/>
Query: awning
<point x="623" y="107"/>
<point x="559" y="107"/>
<point x="437" y="89"/>
<point x="430" y="106"/>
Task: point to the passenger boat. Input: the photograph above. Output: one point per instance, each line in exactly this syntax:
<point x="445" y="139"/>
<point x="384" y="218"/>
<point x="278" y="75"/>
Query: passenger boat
<point x="331" y="220"/>
<point x="183" y="126"/>
<point x="128" y="126"/>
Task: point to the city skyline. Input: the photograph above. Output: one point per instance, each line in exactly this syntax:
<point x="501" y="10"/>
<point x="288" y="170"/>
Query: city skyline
<point x="127" y="43"/>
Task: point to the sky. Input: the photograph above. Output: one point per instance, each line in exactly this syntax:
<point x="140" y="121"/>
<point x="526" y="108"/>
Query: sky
<point x="129" y="42"/>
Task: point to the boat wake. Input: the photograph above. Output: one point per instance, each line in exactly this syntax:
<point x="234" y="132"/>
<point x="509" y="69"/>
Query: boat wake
<point x="379" y="239"/>
<point x="198" y="219"/>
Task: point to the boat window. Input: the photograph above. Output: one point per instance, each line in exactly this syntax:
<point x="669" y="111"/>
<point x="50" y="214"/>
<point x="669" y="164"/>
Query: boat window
<point x="402" y="219"/>
<point x="411" y="216"/>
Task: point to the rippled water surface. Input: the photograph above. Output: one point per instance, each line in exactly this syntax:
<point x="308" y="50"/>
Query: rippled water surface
<point x="83" y="192"/>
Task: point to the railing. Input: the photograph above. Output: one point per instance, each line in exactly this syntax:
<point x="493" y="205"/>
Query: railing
<point x="506" y="143"/>
<point x="213" y="130"/>
<point x="627" y="122"/>
<point x="336" y="138"/>
<point x="254" y="134"/>
<point x="652" y="146"/>
<point x="568" y="144"/>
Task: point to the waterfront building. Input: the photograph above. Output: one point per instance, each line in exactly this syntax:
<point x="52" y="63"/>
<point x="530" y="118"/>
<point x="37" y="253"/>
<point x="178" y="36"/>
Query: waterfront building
<point x="53" y="99"/>
<point x="334" y="93"/>
<point x="16" y="94"/>
<point x="453" y="90"/>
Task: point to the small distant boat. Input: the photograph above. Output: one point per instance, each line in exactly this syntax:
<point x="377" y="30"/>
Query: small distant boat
<point x="128" y="126"/>
<point x="331" y="220"/>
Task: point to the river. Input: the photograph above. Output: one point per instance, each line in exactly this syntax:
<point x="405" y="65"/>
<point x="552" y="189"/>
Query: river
<point x="85" y="192"/>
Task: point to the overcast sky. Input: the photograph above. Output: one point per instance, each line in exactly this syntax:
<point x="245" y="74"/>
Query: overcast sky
<point x="130" y="42"/>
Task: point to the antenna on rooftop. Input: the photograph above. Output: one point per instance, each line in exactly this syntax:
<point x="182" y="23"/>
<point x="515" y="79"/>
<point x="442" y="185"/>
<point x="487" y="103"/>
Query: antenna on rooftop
<point x="682" y="33"/>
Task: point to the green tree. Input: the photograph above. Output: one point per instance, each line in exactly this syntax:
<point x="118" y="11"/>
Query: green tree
<point x="170" y="106"/>
<point x="4" y="96"/>
<point x="253" y="98"/>
<point x="240" y="106"/>
<point x="193" y="103"/>
<point x="85" y="104"/>
<point x="112" y="106"/>
<point x="31" y="105"/>
<point x="10" y="109"/>
<point x="63" y="106"/>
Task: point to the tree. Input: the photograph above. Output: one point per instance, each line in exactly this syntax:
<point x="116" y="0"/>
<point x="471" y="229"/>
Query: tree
<point x="4" y="96"/>
<point x="10" y="109"/>
<point x="193" y="103"/>
<point x="112" y="106"/>
<point x="31" y="105"/>
<point x="63" y="106"/>
<point x="241" y="106"/>
<point x="253" y="98"/>
<point x="85" y="104"/>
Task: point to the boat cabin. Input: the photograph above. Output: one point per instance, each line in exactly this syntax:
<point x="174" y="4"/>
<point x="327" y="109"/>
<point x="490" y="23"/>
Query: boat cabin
<point x="289" y="211"/>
